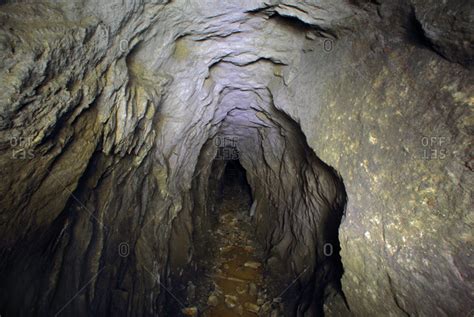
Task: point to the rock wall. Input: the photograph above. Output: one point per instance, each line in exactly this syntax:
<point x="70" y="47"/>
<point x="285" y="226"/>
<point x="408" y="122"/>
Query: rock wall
<point x="109" y="115"/>
<point x="396" y="122"/>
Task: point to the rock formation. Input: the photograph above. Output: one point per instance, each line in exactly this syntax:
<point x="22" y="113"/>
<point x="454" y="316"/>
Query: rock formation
<point x="352" y="119"/>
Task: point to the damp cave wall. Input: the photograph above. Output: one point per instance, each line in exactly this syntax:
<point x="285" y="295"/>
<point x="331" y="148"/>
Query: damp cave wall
<point x="115" y="123"/>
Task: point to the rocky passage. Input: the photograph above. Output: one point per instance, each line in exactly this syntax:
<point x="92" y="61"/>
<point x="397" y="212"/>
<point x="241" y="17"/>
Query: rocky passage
<point x="234" y="274"/>
<point x="352" y="119"/>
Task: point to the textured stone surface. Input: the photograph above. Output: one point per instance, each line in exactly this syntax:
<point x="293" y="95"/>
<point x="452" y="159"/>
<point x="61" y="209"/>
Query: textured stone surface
<point x="448" y="28"/>
<point x="109" y="116"/>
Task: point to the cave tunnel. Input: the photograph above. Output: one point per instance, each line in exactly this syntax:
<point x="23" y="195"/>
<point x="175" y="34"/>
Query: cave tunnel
<point x="234" y="181"/>
<point x="236" y="158"/>
<point x="272" y="207"/>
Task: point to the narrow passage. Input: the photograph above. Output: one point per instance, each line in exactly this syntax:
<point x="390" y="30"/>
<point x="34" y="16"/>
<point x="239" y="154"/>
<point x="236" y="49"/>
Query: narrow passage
<point x="234" y="284"/>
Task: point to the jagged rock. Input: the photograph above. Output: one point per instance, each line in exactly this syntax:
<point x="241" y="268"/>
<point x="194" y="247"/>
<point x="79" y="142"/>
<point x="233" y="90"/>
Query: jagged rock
<point x="448" y="28"/>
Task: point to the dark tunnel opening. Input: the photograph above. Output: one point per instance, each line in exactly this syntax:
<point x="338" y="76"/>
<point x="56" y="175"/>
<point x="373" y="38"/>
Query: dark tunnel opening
<point x="234" y="182"/>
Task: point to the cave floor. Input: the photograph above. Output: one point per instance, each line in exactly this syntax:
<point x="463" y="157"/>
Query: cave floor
<point x="235" y="275"/>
